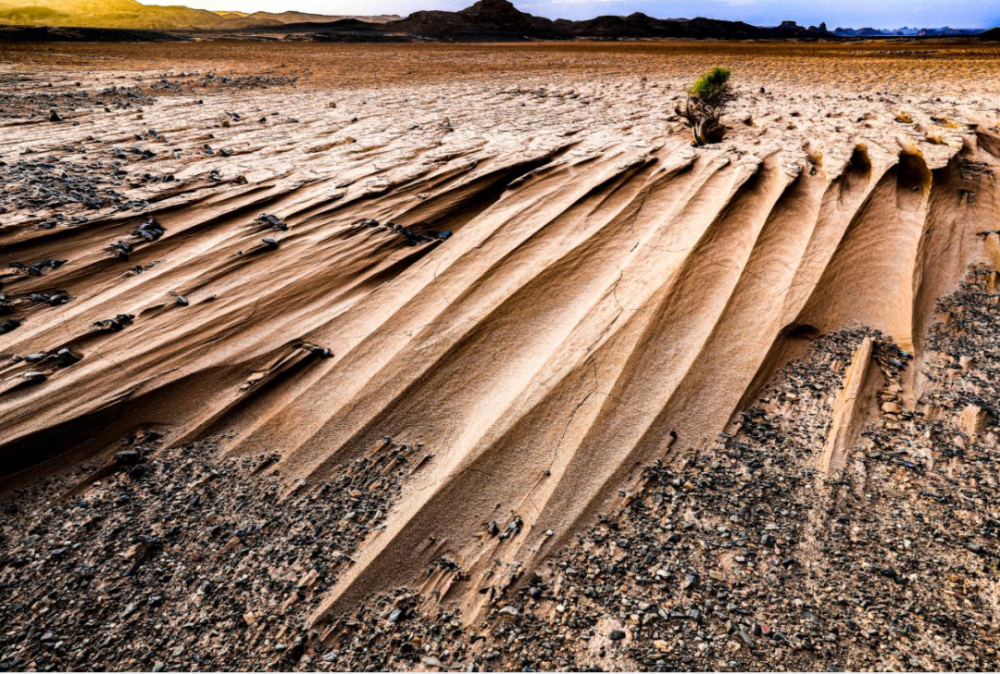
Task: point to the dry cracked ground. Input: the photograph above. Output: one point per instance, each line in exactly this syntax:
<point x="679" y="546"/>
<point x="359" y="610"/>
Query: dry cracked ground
<point x="352" y="357"/>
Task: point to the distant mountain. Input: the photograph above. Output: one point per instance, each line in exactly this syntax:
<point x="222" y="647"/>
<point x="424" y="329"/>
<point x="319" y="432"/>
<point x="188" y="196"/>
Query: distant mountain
<point x="992" y="34"/>
<point x="129" y="14"/>
<point x="110" y="14"/>
<point x="945" y="31"/>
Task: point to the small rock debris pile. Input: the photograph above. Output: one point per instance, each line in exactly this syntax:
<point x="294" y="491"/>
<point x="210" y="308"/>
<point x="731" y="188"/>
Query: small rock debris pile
<point x="35" y="104"/>
<point x="59" y="105"/>
<point x="179" y="559"/>
<point x="54" y="185"/>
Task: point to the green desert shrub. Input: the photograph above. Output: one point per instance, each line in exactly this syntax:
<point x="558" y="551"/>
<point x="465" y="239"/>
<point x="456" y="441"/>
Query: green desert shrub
<point x="707" y="100"/>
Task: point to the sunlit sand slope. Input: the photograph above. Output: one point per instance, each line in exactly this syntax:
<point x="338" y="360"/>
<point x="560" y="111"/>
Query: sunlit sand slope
<point x="544" y="287"/>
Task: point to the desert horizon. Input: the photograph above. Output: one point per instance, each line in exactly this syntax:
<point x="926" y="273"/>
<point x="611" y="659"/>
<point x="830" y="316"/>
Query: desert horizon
<point x="489" y="20"/>
<point x="415" y="347"/>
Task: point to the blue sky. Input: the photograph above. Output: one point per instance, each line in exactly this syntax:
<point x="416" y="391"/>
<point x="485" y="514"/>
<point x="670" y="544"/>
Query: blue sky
<point x="853" y="13"/>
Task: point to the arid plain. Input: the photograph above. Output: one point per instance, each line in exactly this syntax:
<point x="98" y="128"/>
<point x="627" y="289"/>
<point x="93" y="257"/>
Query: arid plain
<point x="327" y="356"/>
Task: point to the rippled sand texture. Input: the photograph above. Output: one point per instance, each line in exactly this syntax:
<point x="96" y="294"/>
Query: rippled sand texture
<point x="609" y="296"/>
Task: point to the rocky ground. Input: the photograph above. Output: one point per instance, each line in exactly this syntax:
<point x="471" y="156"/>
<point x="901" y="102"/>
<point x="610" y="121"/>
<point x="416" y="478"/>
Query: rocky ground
<point x="739" y="557"/>
<point x="177" y="559"/>
<point x="743" y="558"/>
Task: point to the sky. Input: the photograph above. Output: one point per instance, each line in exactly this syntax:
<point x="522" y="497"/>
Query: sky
<point x="847" y="13"/>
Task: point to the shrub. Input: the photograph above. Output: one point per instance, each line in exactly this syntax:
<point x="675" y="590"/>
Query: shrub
<point x="707" y="100"/>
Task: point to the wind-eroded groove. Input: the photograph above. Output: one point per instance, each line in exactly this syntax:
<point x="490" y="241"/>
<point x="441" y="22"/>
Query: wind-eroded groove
<point x="591" y="310"/>
<point x="804" y="244"/>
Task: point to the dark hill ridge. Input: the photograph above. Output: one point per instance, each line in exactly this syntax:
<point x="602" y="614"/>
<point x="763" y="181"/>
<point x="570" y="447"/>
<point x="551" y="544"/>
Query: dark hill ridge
<point x="501" y="20"/>
<point x="10" y="34"/>
<point x="293" y="17"/>
<point x="639" y="25"/>
<point x="497" y="18"/>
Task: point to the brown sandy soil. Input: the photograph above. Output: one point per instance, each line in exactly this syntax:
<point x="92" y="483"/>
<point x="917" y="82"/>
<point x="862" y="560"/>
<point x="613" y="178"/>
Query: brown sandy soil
<point x="506" y="263"/>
